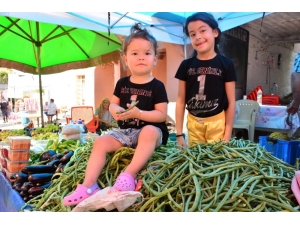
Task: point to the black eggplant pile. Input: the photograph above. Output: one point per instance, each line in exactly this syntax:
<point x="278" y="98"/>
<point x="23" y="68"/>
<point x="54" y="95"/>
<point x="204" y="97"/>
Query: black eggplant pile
<point x="32" y="180"/>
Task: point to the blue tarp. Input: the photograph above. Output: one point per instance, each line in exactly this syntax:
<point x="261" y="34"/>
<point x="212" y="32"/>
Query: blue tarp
<point x="10" y="200"/>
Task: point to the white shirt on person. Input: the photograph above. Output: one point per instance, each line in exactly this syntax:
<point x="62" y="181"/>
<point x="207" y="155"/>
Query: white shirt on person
<point x="51" y="109"/>
<point x="45" y="108"/>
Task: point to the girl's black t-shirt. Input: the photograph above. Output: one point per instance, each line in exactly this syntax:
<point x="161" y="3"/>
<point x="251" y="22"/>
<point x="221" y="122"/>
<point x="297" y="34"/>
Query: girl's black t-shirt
<point x="205" y="84"/>
<point x="147" y="95"/>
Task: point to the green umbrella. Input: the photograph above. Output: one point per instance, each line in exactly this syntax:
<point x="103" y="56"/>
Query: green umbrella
<point x="44" y="48"/>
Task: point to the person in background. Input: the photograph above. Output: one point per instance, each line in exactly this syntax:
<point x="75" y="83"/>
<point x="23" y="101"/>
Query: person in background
<point x="4" y="109"/>
<point x="105" y="118"/>
<point x="295" y="86"/>
<point x="206" y="85"/>
<point x="45" y="108"/>
<point x="20" y="105"/>
<point x="142" y="127"/>
<point x="9" y="107"/>
<point x="51" y="110"/>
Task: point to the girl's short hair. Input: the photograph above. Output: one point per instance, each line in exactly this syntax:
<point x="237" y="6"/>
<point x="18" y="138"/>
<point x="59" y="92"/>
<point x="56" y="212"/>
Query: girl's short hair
<point x="137" y="31"/>
<point x="209" y="20"/>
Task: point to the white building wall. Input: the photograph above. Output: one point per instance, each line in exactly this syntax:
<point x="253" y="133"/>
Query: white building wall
<point x="259" y="74"/>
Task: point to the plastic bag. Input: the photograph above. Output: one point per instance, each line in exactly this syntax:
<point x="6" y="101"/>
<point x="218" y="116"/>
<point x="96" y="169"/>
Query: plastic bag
<point x="109" y="199"/>
<point x="71" y="129"/>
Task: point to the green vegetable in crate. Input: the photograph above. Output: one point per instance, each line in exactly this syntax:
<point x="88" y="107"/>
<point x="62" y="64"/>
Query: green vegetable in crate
<point x="279" y="136"/>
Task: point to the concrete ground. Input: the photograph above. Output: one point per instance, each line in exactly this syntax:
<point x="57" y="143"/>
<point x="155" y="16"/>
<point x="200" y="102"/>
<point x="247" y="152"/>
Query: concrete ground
<point x="13" y="125"/>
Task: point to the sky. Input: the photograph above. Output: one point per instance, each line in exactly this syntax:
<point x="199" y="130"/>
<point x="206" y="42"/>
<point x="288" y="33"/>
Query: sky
<point x="146" y="6"/>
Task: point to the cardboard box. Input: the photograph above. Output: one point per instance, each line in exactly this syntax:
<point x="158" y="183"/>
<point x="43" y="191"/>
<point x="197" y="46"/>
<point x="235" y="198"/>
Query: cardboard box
<point x="19" y="142"/>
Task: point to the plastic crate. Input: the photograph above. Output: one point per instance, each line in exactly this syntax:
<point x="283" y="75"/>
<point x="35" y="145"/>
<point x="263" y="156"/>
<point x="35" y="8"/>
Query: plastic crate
<point x="15" y="155"/>
<point x="287" y="151"/>
<point x="19" y="142"/>
<point x="2" y="161"/>
<point x="14" y="166"/>
<point x="8" y="174"/>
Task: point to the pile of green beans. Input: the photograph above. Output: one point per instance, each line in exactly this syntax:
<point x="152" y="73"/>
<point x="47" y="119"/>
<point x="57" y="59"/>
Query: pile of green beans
<point x="237" y="176"/>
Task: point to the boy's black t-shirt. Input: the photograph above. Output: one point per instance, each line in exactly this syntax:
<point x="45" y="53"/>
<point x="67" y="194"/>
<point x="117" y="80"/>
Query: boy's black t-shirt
<point x="205" y="84"/>
<point x="148" y="95"/>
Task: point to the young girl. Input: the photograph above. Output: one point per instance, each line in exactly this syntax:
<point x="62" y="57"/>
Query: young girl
<point x="106" y="119"/>
<point x="142" y="127"/>
<point x="206" y="85"/>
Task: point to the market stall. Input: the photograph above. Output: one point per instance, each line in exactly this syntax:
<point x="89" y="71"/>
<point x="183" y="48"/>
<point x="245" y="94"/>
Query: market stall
<point x="236" y="176"/>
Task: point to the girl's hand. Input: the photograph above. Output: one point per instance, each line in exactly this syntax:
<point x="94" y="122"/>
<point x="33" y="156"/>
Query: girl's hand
<point x="129" y="114"/>
<point x="226" y="138"/>
<point x="116" y="115"/>
<point x="181" y="142"/>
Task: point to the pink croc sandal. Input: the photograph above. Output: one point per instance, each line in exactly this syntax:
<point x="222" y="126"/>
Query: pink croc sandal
<point x="125" y="182"/>
<point x="80" y="194"/>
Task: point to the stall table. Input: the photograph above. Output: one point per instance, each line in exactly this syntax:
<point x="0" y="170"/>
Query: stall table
<point x="273" y="118"/>
<point x="32" y="116"/>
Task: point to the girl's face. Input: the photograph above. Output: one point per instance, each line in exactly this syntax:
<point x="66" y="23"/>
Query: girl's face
<point x="202" y="37"/>
<point x="105" y="104"/>
<point x="140" y="57"/>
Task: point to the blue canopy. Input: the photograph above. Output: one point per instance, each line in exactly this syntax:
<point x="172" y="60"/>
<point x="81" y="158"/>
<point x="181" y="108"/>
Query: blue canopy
<point x="165" y="26"/>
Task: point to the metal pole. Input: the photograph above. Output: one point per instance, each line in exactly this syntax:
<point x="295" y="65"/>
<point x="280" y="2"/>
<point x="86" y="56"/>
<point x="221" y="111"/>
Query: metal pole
<point x="40" y="84"/>
<point x="38" y="45"/>
<point x="184" y="48"/>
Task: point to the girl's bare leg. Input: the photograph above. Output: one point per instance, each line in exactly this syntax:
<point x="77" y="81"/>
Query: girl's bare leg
<point x="149" y="139"/>
<point x="102" y="146"/>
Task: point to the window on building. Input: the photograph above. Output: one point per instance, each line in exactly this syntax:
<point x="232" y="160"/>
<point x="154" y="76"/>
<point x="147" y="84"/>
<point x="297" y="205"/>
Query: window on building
<point x="80" y="90"/>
